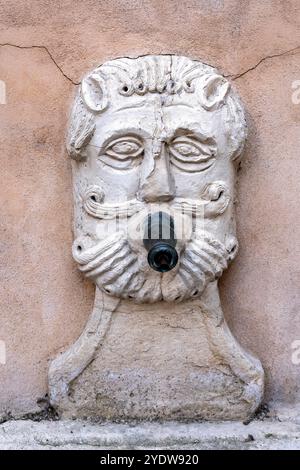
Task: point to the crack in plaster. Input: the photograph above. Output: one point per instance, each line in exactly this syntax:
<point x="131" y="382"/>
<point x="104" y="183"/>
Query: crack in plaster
<point x="232" y="76"/>
<point x="263" y="59"/>
<point x="7" y="44"/>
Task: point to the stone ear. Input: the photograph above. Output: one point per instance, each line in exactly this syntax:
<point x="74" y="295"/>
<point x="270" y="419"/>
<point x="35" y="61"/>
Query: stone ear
<point x="214" y="91"/>
<point x="94" y="92"/>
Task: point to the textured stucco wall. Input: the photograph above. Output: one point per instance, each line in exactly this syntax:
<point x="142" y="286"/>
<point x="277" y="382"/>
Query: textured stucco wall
<point x="45" y="48"/>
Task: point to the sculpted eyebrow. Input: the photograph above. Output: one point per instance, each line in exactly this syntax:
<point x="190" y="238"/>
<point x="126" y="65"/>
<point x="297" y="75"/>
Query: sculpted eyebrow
<point x="178" y="105"/>
<point x="199" y="134"/>
<point x="138" y="105"/>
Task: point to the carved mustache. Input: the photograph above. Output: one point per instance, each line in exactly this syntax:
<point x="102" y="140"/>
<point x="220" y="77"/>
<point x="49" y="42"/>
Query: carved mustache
<point x="212" y="202"/>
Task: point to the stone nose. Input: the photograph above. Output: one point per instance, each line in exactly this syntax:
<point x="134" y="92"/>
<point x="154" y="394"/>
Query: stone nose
<point x="159" y="185"/>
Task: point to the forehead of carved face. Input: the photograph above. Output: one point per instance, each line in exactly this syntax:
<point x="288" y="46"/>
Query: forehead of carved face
<point x="162" y="128"/>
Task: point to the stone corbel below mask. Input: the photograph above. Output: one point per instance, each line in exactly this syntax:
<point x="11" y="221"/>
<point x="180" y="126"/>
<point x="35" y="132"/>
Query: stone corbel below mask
<point x="155" y="142"/>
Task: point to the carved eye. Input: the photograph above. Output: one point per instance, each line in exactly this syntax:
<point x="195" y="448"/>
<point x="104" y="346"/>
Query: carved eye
<point x="186" y="149"/>
<point x="189" y="154"/>
<point x="123" y="153"/>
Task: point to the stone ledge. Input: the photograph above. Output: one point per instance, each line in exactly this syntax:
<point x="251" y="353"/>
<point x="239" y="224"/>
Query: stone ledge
<point x="267" y="434"/>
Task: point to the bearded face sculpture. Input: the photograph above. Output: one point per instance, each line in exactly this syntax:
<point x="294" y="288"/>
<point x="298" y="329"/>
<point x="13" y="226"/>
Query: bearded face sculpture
<point x="147" y="135"/>
<point x="155" y="142"/>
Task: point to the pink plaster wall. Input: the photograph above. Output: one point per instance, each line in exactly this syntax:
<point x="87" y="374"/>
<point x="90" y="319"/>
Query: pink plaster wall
<point x="44" y="300"/>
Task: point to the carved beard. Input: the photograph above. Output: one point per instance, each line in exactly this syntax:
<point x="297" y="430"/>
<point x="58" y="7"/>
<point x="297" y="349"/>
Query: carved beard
<point x="119" y="271"/>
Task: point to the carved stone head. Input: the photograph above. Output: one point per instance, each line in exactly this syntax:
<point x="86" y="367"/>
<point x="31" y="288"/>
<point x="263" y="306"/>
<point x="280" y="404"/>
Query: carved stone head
<point x="155" y="142"/>
<point x="155" y="135"/>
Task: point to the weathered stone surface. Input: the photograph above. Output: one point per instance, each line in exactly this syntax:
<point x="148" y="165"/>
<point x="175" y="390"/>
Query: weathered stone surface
<point x="261" y="435"/>
<point x="44" y="300"/>
<point x="179" y="362"/>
